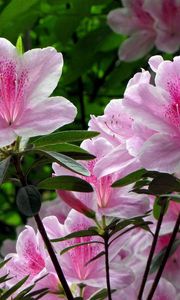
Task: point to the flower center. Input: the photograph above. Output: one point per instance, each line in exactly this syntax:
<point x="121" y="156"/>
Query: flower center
<point x="81" y="255"/>
<point x="12" y="86"/>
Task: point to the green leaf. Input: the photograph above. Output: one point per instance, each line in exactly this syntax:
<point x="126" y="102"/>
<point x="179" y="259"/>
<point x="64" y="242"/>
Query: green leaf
<point x="78" y="245"/>
<point x="82" y="55"/>
<point x="75" y="234"/>
<point x="2" y="263"/>
<point x="95" y="257"/>
<point x="4" y="165"/>
<point x="172" y="197"/>
<point x="16" y="13"/>
<point x="100" y="295"/>
<point x="64" y="137"/>
<point x="130" y="178"/>
<point x="138" y="221"/>
<point x="157" y="260"/>
<point x="13" y="289"/>
<point x="164" y="183"/>
<point x="5" y="278"/>
<point x="28" y="200"/>
<point x="68" y="183"/>
<point x="66" y="162"/>
<point x="157" y="206"/>
<point x="19" y="46"/>
<point x="68" y="149"/>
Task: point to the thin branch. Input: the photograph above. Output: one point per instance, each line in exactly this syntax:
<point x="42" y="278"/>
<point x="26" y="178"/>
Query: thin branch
<point x="148" y="265"/>
<point x="165" y="258"/>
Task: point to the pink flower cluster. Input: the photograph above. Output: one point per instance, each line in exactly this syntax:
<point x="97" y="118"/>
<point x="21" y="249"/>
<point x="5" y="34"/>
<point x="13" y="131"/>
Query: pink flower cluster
<point x="139" y="131"/>
<point x="148" y="23"/>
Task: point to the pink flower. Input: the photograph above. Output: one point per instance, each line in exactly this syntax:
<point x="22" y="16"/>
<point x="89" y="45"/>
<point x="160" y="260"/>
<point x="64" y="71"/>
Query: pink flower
<point x="74" y="262"/>
<point x="104" y="200"/>
<point x="158" y="106"/>
<point x="26" y="81"/>
<point x="31" y="259"/>
<point x="166" y="14"/>
<point x="133" y="20"/>
<point x="165" y="290"/>
<point x="126" y="136"/>
<point x="147" y="23"/>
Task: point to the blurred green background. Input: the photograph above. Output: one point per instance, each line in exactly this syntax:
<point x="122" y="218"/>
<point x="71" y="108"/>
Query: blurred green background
<point x="92" y="74"/>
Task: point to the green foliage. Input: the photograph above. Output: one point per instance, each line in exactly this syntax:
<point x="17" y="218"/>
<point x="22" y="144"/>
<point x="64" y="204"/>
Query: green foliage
<point x="64" y="137"/>
<point x="66" y="162"/>
<point x="68" y="183"/>
<point x="130" y="178"/>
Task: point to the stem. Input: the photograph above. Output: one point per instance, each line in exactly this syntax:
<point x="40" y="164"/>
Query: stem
<point x="17" y="164"/>
<point x="155" y="239"/>
<point x="53" y="257"/>
<point x="42" y="230"/>
<point x="165" y="258"/>
<point x="107" y="267"/>
<point x="81" y="102"/>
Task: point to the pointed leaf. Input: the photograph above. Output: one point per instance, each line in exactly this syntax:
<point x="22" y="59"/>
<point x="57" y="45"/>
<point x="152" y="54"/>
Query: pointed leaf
<point x="78" y="245"/>
<point x="80" y="233"/>
<point x="131" y="178"/>
<point x="164" y="183"/>
<point x="2" y="263"/>
<point x="65" y="136"/>
<point x="95" y="257"/>
<point x="63" y="148"/>
<point x="158" y="205"/>
<point x="66" y="162"/>
<point x="68" y="183"/>
<point x="13" y="289"/>
<point x="100" y="295"/>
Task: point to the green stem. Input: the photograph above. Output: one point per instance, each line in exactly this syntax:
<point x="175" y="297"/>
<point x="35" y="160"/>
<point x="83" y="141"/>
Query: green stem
<point x="155" y="239"/>
<point x="165" y="258"/>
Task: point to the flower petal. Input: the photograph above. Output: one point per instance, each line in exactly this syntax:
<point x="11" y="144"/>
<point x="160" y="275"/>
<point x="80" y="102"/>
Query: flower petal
<point x="161" y="153"/>
<point x="118" y="20"/>
<point x="155" y="61"/>
<point x="45" y="117"/>
<point x="146" y="102"/>
<point x="44" y="67"/>
<point x="136" y="46"/>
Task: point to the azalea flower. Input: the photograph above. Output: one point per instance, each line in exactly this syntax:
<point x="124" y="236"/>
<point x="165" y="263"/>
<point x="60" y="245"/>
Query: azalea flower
<point x="158" y="106"/>
<point x="75" y="262"/>
<point x="133" y="20"/>
<point x="26" y="82"/>
<point x="147" y="23"/>
<point x="31" y="259"/>
<point x="105" y="200"/>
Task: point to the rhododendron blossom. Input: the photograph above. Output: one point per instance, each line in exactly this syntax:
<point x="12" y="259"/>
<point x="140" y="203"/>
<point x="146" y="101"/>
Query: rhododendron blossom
<point x="31" y="260"/>
<point x="75" y="262"/>
<point x="26" y="82"/>
<point x="159" y="105"/>
<point x="105" y="200"/>
<point x="147" y="23"/>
